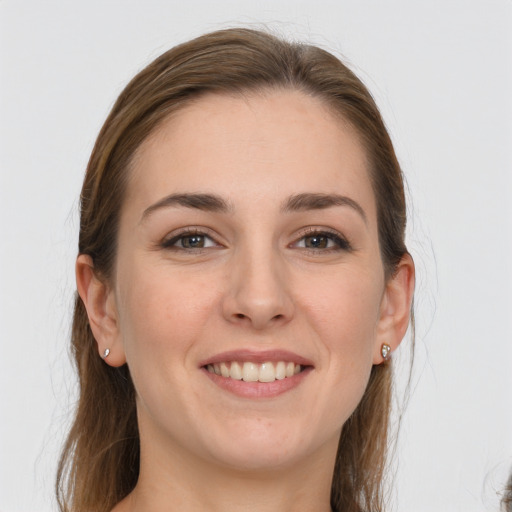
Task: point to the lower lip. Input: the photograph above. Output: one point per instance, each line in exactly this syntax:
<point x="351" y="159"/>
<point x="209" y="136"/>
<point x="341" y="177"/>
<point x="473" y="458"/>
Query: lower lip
<point x="258" y="389"/>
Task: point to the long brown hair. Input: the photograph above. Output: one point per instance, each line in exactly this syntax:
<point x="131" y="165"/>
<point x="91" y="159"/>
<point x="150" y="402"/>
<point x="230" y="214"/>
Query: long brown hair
<point x="100" y="460"/>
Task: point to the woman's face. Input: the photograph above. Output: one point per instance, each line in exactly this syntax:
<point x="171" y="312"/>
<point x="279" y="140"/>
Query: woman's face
<point x="248" y="246"/>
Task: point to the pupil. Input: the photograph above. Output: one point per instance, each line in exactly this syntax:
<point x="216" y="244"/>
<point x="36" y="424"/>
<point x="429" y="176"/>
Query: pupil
<point x="316" y="242"/>
<point x="193" y="241"/>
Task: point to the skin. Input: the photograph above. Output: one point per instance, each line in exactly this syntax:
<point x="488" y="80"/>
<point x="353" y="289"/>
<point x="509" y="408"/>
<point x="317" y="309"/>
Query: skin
<point x="266" y="279"/>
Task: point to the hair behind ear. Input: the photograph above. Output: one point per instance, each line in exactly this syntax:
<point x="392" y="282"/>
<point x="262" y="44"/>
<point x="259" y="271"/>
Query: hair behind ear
<point x="99" y="441"/>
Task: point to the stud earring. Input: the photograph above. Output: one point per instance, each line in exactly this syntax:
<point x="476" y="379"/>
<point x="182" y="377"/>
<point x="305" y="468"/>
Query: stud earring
<point x="385" y="351"/>
<point x="106" y="353"/>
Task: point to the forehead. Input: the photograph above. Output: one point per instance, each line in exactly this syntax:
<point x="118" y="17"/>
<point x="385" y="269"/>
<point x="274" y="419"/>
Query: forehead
<point x="258" y="145"/>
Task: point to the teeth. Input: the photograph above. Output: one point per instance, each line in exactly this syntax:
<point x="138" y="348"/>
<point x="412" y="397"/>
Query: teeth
<point x="253" y="372"/>
<point x="267" y="373"/>
<point x="224" y="370"/>
<point x="250" y="372"/>
<point x="235" y="372"/>
<point x="280" y="370"/>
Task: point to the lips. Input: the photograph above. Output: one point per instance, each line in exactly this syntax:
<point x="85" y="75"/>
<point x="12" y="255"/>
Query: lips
<point x="257" y="374"/>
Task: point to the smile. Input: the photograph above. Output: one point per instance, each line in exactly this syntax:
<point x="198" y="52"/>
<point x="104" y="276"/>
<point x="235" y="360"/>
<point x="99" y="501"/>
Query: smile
<point x="255" y="372"/>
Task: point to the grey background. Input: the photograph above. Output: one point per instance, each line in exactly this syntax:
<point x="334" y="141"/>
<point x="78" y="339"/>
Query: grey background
<point x="441" y="72"/>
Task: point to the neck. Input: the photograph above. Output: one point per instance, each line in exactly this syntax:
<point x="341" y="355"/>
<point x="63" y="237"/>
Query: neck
<point x="170" y="480"/>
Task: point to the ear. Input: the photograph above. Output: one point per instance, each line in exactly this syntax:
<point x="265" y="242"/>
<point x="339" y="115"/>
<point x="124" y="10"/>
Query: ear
<point x="99" y="301"/>
<point x="395" y="311"/>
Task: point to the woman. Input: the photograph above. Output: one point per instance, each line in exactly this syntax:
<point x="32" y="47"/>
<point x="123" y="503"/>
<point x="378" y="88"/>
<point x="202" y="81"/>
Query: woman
<point x="243" y="281"/>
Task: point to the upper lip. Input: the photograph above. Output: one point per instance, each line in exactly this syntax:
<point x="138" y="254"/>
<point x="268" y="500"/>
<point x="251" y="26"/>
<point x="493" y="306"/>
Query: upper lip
<point x="257" y="356"/>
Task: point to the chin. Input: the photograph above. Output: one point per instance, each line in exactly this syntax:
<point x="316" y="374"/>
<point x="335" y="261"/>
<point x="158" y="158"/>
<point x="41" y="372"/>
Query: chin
<point x="262" y="447"/>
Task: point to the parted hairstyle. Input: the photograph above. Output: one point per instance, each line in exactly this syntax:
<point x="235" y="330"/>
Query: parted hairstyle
<point x="99" y="465"/>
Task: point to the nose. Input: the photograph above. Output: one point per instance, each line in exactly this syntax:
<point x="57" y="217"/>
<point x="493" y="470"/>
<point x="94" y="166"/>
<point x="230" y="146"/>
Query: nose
<point x="258" y="291"/>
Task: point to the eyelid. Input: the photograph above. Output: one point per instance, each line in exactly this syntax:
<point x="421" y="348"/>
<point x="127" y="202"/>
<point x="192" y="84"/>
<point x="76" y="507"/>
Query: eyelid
<point x="171" y="238"/>
<point x="341" y="241"/>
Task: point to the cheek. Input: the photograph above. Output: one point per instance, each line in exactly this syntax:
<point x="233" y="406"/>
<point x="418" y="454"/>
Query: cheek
<point x="346" y="308"/>
<point x="163" y="315"/>
<point x="345" y="312"/>
<point x="161" y="324"/>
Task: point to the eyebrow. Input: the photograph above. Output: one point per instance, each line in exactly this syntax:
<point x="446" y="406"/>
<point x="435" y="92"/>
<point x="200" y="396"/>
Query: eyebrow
<point x="205" y="202"/>
<point x="214" y="203"/>
<point x="315" y="201"/>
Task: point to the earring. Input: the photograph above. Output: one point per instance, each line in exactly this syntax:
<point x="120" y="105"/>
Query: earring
<point x="106" y="353"/>
<point x="385" y="351"/>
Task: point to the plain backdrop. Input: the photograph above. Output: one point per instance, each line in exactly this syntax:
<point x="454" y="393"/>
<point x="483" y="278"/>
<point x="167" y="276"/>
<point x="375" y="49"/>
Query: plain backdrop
<point x="441" y="72"/>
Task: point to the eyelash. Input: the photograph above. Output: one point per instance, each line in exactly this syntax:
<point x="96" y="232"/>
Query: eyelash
<point x="341" y="243"/>
<point x="189" y="233"/>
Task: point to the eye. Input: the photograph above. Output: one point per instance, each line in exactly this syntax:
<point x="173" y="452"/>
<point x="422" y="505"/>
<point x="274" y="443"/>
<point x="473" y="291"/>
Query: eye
<point x="322" y="241"/>
<point x="189" y="240"/>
